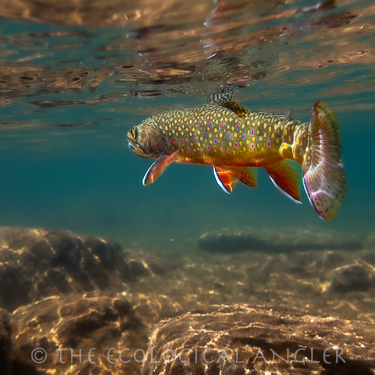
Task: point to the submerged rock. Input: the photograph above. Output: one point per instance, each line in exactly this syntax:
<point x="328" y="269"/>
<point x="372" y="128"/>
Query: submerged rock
<point x="37" y="263"/>
<point x="5" y="342"/>
<point x="65" y="329"/>
<point x="240" y="340"/>
<point x="352" y="278"/>
<point x="277" y="240"/>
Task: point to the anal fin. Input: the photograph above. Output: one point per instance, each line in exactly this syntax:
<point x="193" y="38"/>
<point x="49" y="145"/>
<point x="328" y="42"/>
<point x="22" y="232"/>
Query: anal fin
<point x="286" y="176"/>
<point x="158" y="167"/>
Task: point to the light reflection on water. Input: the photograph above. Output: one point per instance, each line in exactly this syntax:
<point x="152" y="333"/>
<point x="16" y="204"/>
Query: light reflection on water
<point x="72" y="83"/>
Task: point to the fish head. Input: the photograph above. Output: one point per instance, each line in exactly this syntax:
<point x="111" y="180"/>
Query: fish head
<point x="146" y="139"/>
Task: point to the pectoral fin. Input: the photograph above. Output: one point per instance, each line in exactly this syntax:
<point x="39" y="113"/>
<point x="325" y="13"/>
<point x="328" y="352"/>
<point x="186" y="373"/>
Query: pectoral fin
<point x="158" y="168"/>
<point x="286" y="176"/>
<point x="226" y="178"/>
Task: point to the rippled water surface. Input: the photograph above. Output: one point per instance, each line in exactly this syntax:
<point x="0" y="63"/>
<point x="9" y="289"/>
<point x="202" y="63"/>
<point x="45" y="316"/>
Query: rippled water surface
<point x="76" y="75"/>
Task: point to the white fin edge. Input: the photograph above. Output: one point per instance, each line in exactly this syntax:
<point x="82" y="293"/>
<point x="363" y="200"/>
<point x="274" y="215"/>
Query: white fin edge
<point x="281" y="190"/>
<point x="219" y="181"/>
<point x="147" y="173"/>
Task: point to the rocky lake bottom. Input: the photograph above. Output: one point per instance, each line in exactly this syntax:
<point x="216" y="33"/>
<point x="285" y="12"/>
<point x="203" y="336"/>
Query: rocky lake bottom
<point x="76" y="304"/>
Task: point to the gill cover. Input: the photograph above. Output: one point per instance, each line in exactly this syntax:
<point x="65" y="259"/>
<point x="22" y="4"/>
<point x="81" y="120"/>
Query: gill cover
<point x="147" y="140"/>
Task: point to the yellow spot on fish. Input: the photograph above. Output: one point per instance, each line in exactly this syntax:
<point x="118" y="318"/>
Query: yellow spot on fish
<point x="273" y="135"/>
<point x="244" y="148"/>
<point x="230" y="144"/>
<point x="201" y="138"/>
<point x="179" y="128"/>
<point x="190" y="122"/>
<point x="243" y="126"/>
<point x="199" y="145"/>
<point x="277" y="140"/>
<point x="262" y="149"/>
<point x="235" y="134"/>
<point x="265" y="135"/>
<point x="260" y="138"/>
<point x="221" y="134"/>
<point x="198" y="132"/>
<point x="193" y="129"/>
<point x="269" y="129"/>
<point x="211" y="141"/>
<point x="253" y="139"/>
<point x="247" y="142"/>
<point x="257" y="131"/>
<point x="258" y="123"/>
<point x="210" y="135"/>
<point x="232" y="128"/>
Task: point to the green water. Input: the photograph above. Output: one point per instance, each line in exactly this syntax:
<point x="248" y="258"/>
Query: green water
<point x="64" y="159"/>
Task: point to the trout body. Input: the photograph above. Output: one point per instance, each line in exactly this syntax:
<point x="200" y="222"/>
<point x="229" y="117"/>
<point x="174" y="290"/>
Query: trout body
<point x="236" y="141"/>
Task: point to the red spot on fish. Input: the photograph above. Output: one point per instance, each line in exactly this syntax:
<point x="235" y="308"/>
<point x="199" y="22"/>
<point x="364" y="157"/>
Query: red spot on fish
<point x="223" y="143"/>
<point x="222" y="126"/>
<point x="188" y="148"/>
<point x="167" y="138"/>
<point x="236" y="144"/>
<point x="238" y="126"/>
<point x="174" y="142"/>
<point x="195" y="139"/>
<point x="180" y="140"/>
<point x="186" y="140"/>
<point x="215" y="140"/>
<point x="252" y="131"/>
<point x="228" y="150"/>
<point x="208" y="147"/>
<point x="210" y="123"/>
<point x="204" y="133"/>
<point x="199" y="122"/>
<point x="268" y="144"/>
<point x="252" y="145"/>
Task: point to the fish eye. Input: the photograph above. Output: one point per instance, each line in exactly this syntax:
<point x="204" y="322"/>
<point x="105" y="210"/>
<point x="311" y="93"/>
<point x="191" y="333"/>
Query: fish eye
<point x="134" y="132"/>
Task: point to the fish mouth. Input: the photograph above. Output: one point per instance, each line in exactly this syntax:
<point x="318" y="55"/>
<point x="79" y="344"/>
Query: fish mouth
<point x="134" y="146"/>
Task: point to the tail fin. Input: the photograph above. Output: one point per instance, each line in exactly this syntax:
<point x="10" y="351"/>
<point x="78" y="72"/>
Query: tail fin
<point x="323" y="172"/>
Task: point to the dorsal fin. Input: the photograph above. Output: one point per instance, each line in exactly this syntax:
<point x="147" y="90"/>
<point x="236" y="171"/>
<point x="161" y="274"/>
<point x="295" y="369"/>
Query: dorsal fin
<point x="158" y="167"/>
<point x="286" y="176"/>
<point x="226" y="178"/>
<point x="225" y="99"/>
<point x="226" y="95"/>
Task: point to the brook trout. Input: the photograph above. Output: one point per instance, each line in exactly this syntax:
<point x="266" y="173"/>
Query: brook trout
<point x="236" y="141"/>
